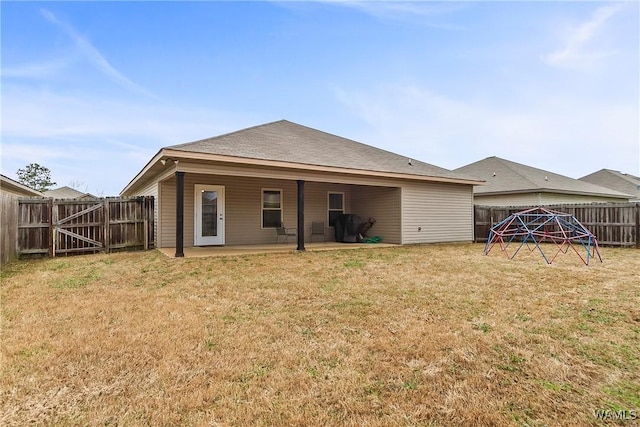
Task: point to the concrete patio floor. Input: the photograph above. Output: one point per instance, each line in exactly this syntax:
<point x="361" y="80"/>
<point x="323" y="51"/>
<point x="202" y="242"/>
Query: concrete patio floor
<point x="210" y="251"/>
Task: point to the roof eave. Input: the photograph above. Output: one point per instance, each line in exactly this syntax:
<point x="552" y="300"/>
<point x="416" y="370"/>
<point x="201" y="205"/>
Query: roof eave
<point x="10" y="183"/>
<point x="190" y="155"/>
<point x="144" y="171"/>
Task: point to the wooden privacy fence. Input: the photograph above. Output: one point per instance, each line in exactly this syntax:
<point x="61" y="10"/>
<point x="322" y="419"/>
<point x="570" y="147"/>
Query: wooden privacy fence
<point x="8" y="227"/>
<point x="71" y="226"/>
<point x="615" y="224"/>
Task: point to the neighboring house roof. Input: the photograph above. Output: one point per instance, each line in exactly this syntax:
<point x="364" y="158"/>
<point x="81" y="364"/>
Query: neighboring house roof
<point x="286" y="144"/>
<point x="507" y="177"/>
<point x="8" y="185"/>
<point x="67" y="193"/>
<point x="623" y="182"/>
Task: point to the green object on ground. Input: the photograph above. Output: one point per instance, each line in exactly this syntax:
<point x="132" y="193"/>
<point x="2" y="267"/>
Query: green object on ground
<point x="374" y="239"/>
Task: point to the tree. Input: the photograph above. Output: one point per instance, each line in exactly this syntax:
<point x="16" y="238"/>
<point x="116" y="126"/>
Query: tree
<point x="76" y="184"/>
<point x="36" y="177"/>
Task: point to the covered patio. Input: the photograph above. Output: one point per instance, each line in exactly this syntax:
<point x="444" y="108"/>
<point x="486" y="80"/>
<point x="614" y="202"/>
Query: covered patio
<point x="233" y="192"/>
<point x="212" y="251"/>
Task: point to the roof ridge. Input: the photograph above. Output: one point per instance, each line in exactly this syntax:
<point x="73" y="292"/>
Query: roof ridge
<point x="595" y="188"/>
<point x="212" y="138"/>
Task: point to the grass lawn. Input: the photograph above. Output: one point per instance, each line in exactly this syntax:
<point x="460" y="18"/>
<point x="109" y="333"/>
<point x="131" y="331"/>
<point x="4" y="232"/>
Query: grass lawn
<point x="434" y="335"/>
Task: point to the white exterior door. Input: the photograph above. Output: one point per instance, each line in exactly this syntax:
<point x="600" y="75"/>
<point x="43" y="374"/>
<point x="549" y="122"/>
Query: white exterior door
<point x="209" y="215"/>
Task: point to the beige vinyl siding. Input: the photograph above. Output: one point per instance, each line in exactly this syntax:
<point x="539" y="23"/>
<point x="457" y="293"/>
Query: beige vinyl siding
<point x="152" y="190"/>
<point x="555" y="199"/>
<point x="167" y="216"/>
<point x="15" y="192"/>
<point x="525" y="199"/>
<point x="444" y="211"/>
<point x="14" y="188"/>
<point x="316" y="205"/>
<point x="382" y="204"/>
<point x="436" y="213"/>
<point x="243" y="207"/>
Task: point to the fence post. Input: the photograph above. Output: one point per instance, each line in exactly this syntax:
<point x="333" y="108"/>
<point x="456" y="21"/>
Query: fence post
<point x="52" y="228"/>
<point x="152" y="221"/>
<point x="107" y="225"/>
<point x="637" y="225"/>
<point x="144" y="209"/>
<point x="475" y="221"/>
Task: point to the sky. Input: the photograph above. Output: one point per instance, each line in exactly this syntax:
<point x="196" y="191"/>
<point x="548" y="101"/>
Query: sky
<point x="93" y="90"/>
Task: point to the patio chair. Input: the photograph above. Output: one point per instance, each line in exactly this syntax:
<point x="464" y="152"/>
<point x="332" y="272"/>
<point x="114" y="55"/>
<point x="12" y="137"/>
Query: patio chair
<point x="317" y="229"/>
<point x="282" y="231"/>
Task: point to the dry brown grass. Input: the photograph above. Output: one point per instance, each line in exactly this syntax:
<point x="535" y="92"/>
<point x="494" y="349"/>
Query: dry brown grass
<point x="425" y="335"/>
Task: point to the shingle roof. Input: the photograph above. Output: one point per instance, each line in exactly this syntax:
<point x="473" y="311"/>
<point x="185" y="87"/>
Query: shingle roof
<point x="615" y="180"/>
<point x="504" y="176"/>
<point x="66" y="193"/>
<point x="290" y="142"/>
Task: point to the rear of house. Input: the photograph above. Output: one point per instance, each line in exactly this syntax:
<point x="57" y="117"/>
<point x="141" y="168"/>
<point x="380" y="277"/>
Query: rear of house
<point x="235" y="188"/>
<point x="507" y="183"/>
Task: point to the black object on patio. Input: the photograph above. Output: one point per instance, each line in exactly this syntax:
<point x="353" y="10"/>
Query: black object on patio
<point x="350" y="228"/>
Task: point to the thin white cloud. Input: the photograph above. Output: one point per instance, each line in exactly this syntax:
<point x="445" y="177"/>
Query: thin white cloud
<point x="397" y="9"/>
<point x="33" y="152"/>
<point x="577" y="49"/>
<point x="35" y="70"/>
<point x="559" y="135"/>
<point x="427" y="13"/>
<point x="94" y="56"/>
<point x="91" y="138"/>
<point x="32" y="113"/>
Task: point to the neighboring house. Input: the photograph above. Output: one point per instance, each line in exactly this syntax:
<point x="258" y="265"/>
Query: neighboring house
<point x="10" y="191"/>
<point x="513" y="184"/>
<point x="233" y="189"/>
<point x="623" y="182"/>
<point x="9" y="186"/>
<point x="67" y="193"/>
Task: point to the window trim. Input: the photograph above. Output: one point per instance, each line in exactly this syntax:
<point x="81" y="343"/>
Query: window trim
<point x="329" y="210"/>
<point x="262" y="208"/>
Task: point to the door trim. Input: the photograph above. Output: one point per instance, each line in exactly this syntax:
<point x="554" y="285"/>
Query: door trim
<point x="199" y="240"/>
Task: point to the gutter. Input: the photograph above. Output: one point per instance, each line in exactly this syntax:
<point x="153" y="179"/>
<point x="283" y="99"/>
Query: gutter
<point x="247" y="161"/>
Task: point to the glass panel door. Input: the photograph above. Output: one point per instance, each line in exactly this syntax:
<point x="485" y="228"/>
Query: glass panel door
<point x="209" y="218"/>
<point x="209" y="215"/>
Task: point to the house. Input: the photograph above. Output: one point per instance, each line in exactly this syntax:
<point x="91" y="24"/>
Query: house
<point x="235" y="188"/>
<point x="509" y="183"/>
<point x="614" y="180"/>
<point x="14" y="188"/>
<point x="67" y="193"/>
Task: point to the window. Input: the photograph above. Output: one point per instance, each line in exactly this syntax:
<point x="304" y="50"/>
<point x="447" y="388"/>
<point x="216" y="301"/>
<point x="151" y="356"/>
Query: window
<point x="336" y="207"/>
<point x="271" y="208"/>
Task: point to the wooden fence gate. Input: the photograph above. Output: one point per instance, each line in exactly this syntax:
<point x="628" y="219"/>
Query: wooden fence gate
<point x="73" y="226"/>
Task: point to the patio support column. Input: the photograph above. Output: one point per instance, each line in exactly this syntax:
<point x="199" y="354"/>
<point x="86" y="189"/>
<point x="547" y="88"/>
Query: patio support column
<point x="300" y="215"/>
<point x="179" y="214"/>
